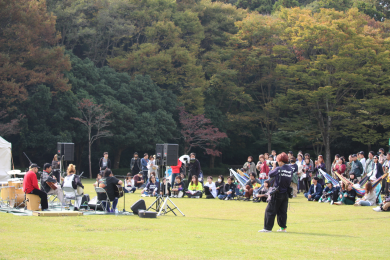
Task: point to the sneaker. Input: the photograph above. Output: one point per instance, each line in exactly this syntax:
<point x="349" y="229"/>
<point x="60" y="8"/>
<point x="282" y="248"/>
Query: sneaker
<point x="281" y="230"/>
<point x="143" y="195"/>
<point x="357" y="204"/>
<point x="331" y="203"/>
<point x="265" y="231"/>
<point x="377" y="209"/>
<point x="319" y="201"/>
<point x="226" y="198"/>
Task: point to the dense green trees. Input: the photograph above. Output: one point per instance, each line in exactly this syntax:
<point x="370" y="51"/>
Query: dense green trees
<point x="285" y="74"/>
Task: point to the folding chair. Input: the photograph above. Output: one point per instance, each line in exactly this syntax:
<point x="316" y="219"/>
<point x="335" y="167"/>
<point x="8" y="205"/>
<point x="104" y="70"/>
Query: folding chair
<point x="71" y="190"/>
<point x="100" y="202"/>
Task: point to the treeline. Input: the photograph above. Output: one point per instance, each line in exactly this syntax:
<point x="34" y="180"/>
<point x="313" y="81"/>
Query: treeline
<point x="283" y="75"/>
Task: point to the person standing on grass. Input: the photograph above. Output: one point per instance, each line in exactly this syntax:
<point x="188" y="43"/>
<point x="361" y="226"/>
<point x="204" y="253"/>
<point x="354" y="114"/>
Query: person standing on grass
<point x="279" y="200"/>
<point x="144" y="164"/>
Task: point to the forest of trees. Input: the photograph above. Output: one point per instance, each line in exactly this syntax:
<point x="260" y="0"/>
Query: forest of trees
<point x="250" y="75"/>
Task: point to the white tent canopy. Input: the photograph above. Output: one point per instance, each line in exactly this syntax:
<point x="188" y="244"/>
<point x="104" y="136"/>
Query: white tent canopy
<point x="5" y="159"/>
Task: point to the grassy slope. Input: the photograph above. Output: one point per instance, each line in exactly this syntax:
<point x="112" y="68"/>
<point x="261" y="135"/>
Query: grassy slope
<point x="211" y="229"/>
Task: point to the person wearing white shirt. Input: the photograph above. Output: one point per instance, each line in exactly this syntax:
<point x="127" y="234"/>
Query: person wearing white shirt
<point x="209" y="188"/>
<point x="362" y="160"/>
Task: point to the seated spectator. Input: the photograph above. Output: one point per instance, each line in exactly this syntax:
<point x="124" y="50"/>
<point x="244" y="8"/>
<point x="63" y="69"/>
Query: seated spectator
<point x="315" y="191"/>
<point x="327" y="194"/>
<point x="339" y="192"/>
<point x="194" y="188"/>
<point x="348" y="197"/>
<point x="256" y="188"/>
<point x="220" y="185"/>
<point x="165" y="188"/>
<point x="385" y="206"/>
<point x="263" y="193"/>
<point x="178" y="188"/>
<point x="210" y="189"/>
<point x="339" y="167"/>
<point x="139" y="182"/>
<point x="230" y="190"/>
<point x="155" y="176"/>
<point x="129" y="184"/>
<point x="249" y="186"/>
<point x="98" y="178"/>
<point x="369" y="198"/>
<point x="352" y="178"/>
<point x="152" y="189"/>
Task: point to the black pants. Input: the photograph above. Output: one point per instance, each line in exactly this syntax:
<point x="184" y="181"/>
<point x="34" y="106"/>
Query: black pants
<point x="277" y="206"/>
<point x="145" y="175"/>
<point x="208" y="193"/>
<point x="306" y="182"/>
<point x="43" y="197"/>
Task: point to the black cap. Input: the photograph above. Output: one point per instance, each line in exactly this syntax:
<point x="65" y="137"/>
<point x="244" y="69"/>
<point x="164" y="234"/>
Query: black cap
<point x="290" y="152"/>
<point x="353" y="155"/>
<point x="316" y="178"/>
<point x="34" y="165"/>
<point x="135" y="153"/>
<point x="376" y="156"/>
<point x="361" y="152"/>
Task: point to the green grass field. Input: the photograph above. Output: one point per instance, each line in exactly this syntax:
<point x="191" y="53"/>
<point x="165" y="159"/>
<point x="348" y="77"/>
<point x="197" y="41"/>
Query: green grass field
<point x="211" y="229"/>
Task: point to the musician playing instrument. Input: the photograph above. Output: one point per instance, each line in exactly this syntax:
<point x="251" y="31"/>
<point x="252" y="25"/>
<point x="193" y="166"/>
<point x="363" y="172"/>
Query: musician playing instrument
<point x="30" y="186"/>
<point x="49" y="184"/>
<point x="73" y="181"/>
<point x="109" y="183"/>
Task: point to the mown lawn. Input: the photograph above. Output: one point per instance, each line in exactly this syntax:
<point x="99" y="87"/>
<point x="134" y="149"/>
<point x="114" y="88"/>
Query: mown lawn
<point x="211" y="229"/>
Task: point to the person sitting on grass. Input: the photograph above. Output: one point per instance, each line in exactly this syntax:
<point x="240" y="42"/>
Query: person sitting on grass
<point x="327" y="193"/>
<point x="139" y="182"/>
<point x="256" y="188"/>
<point x="369" y="198"/>
<point x="315" y="191"/>
<point x="338" y="193"/>
<point x="194" y="188"/>
<point x="210" y="189"/>
<point x="348" y="197"/>
<point x="152" y="189"/>
<point x="249" y="186"/>
<point x="352" y="178"/>
<point x="178" y="188"/>
<point x="129" y="184"/>
<point x="263" y="193"/>
<point x="165" y="188"/>
<point x="230" y="190"/>
<point x="220" y="185"/>
<point x="385" y="206"/>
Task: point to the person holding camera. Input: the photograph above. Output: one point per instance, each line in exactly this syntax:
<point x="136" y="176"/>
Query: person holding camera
<point x="279" y="197"/>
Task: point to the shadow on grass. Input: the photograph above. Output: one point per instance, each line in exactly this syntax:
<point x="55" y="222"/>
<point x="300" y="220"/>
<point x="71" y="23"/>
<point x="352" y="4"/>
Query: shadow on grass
<point x="321" y="234"/>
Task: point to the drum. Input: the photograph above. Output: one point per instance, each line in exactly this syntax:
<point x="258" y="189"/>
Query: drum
<point x="33" y="202"/>
<point x="8" y="193"/>
<point x="19" y="198"/>
<point x="3" y="184"/>
<point x="16" y="184"/>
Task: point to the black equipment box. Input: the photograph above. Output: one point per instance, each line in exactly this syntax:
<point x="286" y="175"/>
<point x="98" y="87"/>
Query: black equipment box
<point x="147" y="214"/>
<point x="138" y="205"/>
<point x="84" y="201"/>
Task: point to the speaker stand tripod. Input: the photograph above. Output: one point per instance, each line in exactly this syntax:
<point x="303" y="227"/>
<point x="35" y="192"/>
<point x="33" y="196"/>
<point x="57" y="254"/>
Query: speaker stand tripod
<point x="162" y="206"/>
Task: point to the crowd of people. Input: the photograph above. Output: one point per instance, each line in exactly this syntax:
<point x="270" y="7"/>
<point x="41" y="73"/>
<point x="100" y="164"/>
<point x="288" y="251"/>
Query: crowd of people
<point x="307" y="179"/>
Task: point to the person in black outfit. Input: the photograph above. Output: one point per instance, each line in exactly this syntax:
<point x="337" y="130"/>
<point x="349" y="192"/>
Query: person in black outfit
<point x="135" y="164"/>
<point x="220" y="185"/>
<point x="164" y="192"/>
<point x="104" y="162"/>
<point x="109" y="183"/>
<point x="194" y="166"/>
<point x="279" y="200"/>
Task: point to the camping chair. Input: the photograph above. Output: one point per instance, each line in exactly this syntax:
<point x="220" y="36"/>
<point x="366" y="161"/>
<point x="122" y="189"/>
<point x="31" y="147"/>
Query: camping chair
<point x="100" y="202"/>
<point x="71" y="190"/>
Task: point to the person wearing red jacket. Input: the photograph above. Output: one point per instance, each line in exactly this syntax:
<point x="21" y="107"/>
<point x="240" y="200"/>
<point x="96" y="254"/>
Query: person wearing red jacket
<point x="176" y="170"/>
<point x="263" y="168"/>
<point x="30" y="186"/>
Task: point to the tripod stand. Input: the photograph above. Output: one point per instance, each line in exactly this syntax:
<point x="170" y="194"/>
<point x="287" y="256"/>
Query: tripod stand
<point x="162" y="206"/>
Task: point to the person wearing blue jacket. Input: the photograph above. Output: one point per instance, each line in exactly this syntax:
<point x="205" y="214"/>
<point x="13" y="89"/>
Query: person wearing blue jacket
<point x="315" y="191"/>
<point x="327" y="193"/>
<point x="144" y="165"/>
